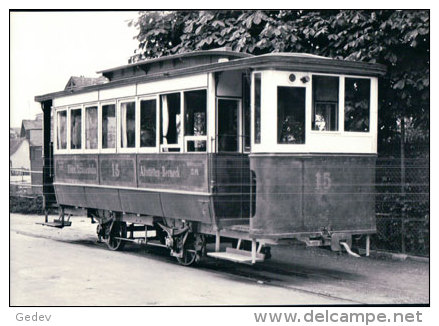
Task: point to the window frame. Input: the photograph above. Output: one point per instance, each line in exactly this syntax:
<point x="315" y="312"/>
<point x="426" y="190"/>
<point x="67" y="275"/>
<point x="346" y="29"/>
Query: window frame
<point x="69" y="131"/>
<point x="244" y="129"/>
<point x="91" y="150"/>
<point x="358" y="133"/>
<point x="56" y="138"/>
<point x="180" y="142"/>
<point x="183" y="123"/>
<point x="151" y="149"/>
<point x="240" y="120"/>
<point x="119" y="147"/>
<point x="305" y="132"/>
<point x="100" y="122"/>
<point x="253" y="111"/>
<point x="183" y="140"/>
<point x="339" y="106"/>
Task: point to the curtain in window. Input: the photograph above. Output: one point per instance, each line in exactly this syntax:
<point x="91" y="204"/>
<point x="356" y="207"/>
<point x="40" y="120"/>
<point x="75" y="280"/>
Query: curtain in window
<point x="75" y="131"/>
<point x="91" y="129"/>
<point x="123" y="113"/>
<point x="61" y="128"/>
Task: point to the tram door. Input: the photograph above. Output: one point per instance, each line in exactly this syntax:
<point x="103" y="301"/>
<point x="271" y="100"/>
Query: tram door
<point x="228" y="127"/>
<point x="231" y="165"/>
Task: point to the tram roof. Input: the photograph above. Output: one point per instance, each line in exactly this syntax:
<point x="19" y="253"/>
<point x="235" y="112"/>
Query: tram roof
<point x="218" y="60"/>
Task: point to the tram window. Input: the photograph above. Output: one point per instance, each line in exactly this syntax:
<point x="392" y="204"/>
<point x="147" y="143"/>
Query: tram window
<point x="148" y="123"/>
<point x="257" y="104"/>
<point x="109" y="126"/>
<point x="325" y="103"/>
<point x="357" y="104"/>
<point x="246" y="112"/>
<point x="195" y="120"/>
<point x="291" y="115"/>
<point x="171" y="121"/>
<point x="128" y="125"/>
<point x="62" y="129"/>
<point x="91" y="127"/>
<point x="75" y="129"/>
<point x="195" y="113"/>
<point x="196" y="145"/>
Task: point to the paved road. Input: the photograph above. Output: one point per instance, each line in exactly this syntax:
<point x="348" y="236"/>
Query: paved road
<point x="67" y="267"/>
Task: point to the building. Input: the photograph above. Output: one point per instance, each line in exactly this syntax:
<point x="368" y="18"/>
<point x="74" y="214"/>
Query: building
<point x="25" y="156"/>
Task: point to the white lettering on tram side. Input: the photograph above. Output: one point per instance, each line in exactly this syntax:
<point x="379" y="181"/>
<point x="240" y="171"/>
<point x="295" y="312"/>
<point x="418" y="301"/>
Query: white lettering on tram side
<point x="323" y="181"/>
<point x="77" y="169"/>
<point x="170" y="173"/>
<point x="149" y="172"/>
<point x="115" y="169"/>
<point x="159" y="173"/>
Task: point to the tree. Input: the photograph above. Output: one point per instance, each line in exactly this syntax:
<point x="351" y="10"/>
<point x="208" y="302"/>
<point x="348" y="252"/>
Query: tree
<point x="400" y="39"/>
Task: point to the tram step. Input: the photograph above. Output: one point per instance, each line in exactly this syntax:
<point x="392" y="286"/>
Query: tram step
<point x="236" y="255"/>
<point x="57" y="224"/>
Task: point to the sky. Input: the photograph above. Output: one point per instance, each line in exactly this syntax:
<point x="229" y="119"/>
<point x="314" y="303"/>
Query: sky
<point x="47" y="48"/>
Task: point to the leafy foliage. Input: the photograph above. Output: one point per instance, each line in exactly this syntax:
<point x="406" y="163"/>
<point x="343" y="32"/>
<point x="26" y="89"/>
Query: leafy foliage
<point x="397" y="38"/>
<point x="26" y="205"/>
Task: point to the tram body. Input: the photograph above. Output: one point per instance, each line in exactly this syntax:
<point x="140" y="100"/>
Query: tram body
<point x="218" y="145"/>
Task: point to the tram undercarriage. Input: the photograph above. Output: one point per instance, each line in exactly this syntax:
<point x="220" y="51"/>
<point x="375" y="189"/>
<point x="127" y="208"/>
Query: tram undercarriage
<point x="187" y="241"/>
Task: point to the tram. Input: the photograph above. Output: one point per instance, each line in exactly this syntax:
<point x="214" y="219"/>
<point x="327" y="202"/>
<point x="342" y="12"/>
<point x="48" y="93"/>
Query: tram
<point x="217" y="146"/>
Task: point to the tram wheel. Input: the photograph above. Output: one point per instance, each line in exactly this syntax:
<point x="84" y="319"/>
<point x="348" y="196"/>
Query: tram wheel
<point x="189" y="257"/>
<point x="118" y="230"/>
<point x="193" y="250"/>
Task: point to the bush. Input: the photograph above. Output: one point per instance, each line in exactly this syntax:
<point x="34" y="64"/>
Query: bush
<point x="26" y="205"/>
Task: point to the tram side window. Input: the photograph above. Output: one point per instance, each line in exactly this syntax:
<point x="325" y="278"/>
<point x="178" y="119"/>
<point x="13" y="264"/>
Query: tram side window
<point x="128" y="125"/>
<point x="91" y="127"/>
<point x="291" y="115"/>
<point x="246" y="112"/>
<point x="171" y="122"/>
<point x="61" y="129"/>
<point x="325" y="103"/>
<point x="109" y="126"/>
<point x="75" y="129"/>
<point x="357" y="104"/>
<point x="195" y="120"/>
<point x="257" y="104"/>
<point x="148" y="123"/>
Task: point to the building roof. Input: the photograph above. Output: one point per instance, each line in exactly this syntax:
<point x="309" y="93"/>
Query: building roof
<point x="81" y="81"/>
<point x="14" y="144"/>
<point x="32" y="130"/>
<point x="27" y="125"/>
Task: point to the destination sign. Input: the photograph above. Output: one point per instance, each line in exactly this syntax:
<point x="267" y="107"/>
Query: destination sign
<point x="76" y="169"/>
<point x="183" y="174"/>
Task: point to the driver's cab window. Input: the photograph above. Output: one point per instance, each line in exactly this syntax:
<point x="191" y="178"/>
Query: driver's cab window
<point x="325" y="103"/>
<point x="291" y="115"/>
